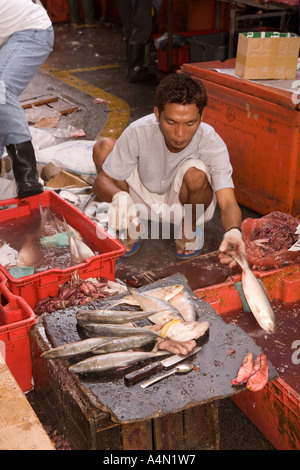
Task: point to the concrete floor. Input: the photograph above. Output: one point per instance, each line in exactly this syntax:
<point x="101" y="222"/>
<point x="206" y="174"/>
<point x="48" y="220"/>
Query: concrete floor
<point x="90" y="63"/>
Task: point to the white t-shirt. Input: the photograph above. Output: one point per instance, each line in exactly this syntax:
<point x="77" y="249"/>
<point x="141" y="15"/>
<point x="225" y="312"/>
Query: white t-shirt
<point x="142" y="144"/>
<point x="19" y="15"/>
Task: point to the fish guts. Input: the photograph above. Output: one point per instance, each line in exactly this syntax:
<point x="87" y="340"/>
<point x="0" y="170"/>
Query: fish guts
<point x="255" y="373"/>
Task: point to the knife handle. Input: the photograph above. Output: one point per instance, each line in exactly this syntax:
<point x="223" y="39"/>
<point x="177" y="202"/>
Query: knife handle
<point x="136" y="375"/>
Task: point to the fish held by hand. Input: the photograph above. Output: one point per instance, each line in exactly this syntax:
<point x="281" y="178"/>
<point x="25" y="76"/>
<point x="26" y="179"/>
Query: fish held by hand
<point x="256" y="295"/>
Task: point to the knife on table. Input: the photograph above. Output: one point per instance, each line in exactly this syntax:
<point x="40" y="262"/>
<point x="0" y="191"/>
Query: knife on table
<point x="138" y="374"/>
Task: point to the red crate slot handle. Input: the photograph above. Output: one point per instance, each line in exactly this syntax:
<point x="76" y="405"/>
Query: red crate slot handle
<point x="13" y="309"/>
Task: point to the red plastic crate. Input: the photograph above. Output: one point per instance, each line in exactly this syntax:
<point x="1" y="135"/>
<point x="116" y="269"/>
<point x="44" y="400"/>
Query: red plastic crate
<point x="47" y="283"/>
<point x="16" y="319"/>
<point x="181" y="55"/>
<point x="275" y="410"/>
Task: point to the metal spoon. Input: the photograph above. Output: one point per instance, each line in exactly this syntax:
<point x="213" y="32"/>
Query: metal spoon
<point x="180" y="369"/>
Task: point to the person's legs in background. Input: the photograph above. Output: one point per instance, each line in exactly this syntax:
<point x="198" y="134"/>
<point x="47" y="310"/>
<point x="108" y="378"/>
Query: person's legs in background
<point x="136" y="17"/>
<point x="74" y="12"/>
<point x="88" y="10"/>
<point x="21" y="56"/>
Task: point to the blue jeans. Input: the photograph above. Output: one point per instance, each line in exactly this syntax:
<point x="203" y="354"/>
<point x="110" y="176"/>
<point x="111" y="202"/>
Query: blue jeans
<point x="21" y="56"/>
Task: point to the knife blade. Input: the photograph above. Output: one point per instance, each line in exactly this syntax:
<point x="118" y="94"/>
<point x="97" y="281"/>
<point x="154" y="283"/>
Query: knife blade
<point x="138" y="374"/>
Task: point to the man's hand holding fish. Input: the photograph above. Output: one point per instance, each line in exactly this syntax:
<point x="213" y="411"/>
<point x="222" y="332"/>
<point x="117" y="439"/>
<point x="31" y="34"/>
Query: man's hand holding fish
<point x="232" y="242"/>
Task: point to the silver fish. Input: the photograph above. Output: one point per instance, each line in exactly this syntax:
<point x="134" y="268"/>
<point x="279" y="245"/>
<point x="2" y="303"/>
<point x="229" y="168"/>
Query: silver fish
<point x="111" y="316"/>
<point x="185" y="305"/>
<point x="256" y="296"/>
<point x="75" y="257"/>
<point x="97" y="329"/>
<point x="163" y="293"/>
<point x="165" y="311"/>
<point x="79" y="251"/>
<point x="113" y="361"/>
<point x="83" y="250"/>
<point x="71" y="349"/>
<point x="123" y="344"/>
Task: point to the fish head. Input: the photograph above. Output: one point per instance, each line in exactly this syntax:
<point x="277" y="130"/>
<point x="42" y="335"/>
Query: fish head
<point x="268" y="324"/>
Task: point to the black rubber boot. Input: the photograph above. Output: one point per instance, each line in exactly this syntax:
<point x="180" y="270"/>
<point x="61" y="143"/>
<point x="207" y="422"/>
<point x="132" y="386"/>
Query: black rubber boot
<point x="89" y="14"/>
<point x="137" y="71"/>
<point x="74" y="12"/>
<point x="24" y="169"/>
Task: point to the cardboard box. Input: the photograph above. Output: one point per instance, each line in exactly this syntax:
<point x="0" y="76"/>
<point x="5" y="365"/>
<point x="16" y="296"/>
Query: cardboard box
<point x="267" y="55"/>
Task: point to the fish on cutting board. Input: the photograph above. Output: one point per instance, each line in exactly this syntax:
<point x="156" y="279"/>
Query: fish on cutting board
<point x="123" y="344"/>
<point x="162" y="293"/>
<point x="111" y="316"/>
<point x="147" y="302"/>
<point x="72" y="349"/>
<point x="184" y="303"/>
<point x="114" y="360"/>
<point x="98" y="329"/>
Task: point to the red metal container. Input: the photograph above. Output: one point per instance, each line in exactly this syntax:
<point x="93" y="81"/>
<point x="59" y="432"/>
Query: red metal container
<point x="275" y="410"/>
<point x="16" y="319"/>
<point x="46" y="283"/>
<point x="260" y="125"/>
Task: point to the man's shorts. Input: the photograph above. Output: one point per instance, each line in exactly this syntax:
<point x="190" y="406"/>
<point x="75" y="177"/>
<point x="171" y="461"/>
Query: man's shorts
<point x="167" y="206"/>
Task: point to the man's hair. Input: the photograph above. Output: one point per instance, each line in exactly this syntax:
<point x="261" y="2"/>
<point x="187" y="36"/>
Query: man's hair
<point x="181" y="89"/>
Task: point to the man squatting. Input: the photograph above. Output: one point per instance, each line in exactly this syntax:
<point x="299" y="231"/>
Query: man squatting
<point x="170" y="157"/>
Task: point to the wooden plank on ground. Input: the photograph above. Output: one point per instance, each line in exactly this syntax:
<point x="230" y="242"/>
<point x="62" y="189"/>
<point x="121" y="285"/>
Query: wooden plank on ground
<point x="38" y="101"/>
<point x="63" y="106"/>
<point x="20" y="428"/>
<point x="50" y="101"/>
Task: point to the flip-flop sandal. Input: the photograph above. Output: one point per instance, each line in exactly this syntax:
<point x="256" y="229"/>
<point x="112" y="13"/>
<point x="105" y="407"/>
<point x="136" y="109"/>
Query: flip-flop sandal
<point x="136" y="246"/>
<point x="133" y="250"/>
<point x="198" y="242"/>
